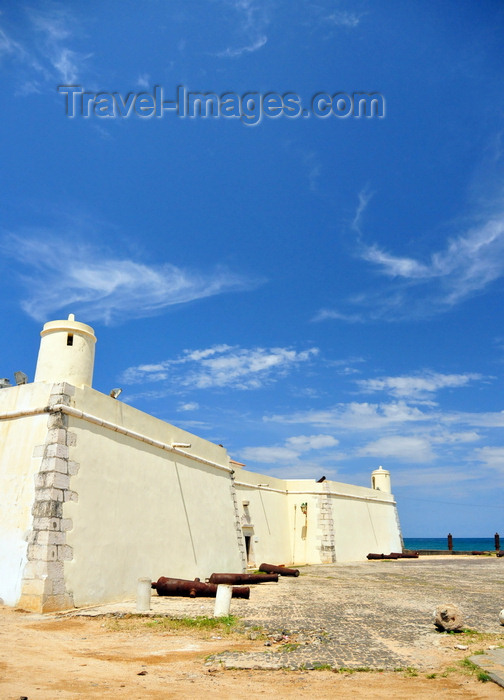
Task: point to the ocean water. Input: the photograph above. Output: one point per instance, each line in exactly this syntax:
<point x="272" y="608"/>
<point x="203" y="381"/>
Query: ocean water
<point x="460" y="544"/>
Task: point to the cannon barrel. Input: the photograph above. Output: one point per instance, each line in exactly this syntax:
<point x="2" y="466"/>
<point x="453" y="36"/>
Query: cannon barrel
<point x="282" y="570"/>
<point x="193" y="589"/>
<point x="372" y="555"/>
<point x="243" y="578"/>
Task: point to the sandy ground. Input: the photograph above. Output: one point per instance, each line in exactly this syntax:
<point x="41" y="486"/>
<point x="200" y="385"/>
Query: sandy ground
<point x="48" y="657"/>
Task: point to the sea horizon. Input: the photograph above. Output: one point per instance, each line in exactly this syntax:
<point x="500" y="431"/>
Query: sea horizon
<point x="460" y="544"/>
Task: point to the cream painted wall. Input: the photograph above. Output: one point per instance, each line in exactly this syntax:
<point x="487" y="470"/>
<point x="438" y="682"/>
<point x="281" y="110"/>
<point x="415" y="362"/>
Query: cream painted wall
<point x="18" y="437"/>
<point x="112" y="508"/>
<point x="267" y="510"/>
<point x="363" y="520"/>
<point x="142" y="512"/>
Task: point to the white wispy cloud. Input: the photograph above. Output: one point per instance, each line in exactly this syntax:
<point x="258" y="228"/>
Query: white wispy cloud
<point x="8" y="46"/>
<point x="313" y="164"/>
<point x="365" y="196"/>
<point x="404" y="448"/>
<point x="143" y="80"/>
<point x="487" y="419"/>
<point x="290" y="451"/>
<point x="400" y="433"/>
<point x="76" y="276"/>
<point x="268" y="455"/>
<point x="467" y="265"/>
<point x="250" y="48"/>
<point x="43" y="51"/>
<point x="418" y="386"/>
<point x="343" y="18"/>
<point x="222" y="366"/>
<point x="189" y="406"/>
<point x="446" y="437"/>
<point x="429" y="476"/>
<point x="252" y="17"/>
<point x="325" y="314"/>
<point x="356" y="416"/>
<point x="304" y="443"/>
<point x="493" y="457"/>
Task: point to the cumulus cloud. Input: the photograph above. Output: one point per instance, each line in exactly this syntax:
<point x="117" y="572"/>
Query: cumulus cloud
<point x="356" y="416"/>
<point x="290" y="451"/>
<point x="404" y="448"/>
<point x="303" y="443"/>
<point x="487" y="419"/>
<point x="76" y="276"/>
<point x="189" y="406"/>
<point x="417" y="386"/>
<point x="223" y="366"/>
<point x="493" y="457"/>
<point x="269" y="455"/>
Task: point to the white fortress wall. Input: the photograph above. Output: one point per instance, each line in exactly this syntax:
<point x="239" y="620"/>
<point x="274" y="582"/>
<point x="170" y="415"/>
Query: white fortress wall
<point x="265" y="518"/>
<point x="96" y="494"/>
<point x="364" y="523"/>
<point x="141" y="510"/>
<point x="305" y="522"/>
<point x="20" y="431"/>
<point x="332" y="522"/>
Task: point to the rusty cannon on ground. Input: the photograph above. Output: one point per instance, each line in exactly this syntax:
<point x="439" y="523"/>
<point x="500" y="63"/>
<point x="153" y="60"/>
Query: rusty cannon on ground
<point x="373" y="555"/>
<point x="243" y="578"/>
<point x="282" y="570"/>
<point x="194" y="589"/>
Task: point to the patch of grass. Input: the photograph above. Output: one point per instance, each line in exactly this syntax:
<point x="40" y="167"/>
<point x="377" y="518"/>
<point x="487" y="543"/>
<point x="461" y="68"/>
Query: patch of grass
<point x="431" y="675"/>
<point x="359" y="669"/>
<point x="129" y="623"/>
<point x="448" y="670"/>
<point x="222" y="624"/>
<point x="410" y="672"/>
<point x="474" y="670"/>
<point x="322" y="667"/>
<point x="290" y="646"/>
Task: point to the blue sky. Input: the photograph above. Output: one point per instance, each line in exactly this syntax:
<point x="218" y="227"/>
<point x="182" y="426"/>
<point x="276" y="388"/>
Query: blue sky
<point x="320" y="295"/>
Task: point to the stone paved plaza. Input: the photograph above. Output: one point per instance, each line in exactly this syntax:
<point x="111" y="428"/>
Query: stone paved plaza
<point x="375" y="614"/>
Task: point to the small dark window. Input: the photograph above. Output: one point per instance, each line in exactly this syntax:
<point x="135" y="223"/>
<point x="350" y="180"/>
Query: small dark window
<point x="70" y="339"/>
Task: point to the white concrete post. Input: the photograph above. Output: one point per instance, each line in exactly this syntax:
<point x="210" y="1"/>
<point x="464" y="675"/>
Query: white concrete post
<point x="223" y="600"/>
<point x="143" y="595"/>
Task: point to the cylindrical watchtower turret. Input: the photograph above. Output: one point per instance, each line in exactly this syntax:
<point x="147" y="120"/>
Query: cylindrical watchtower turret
<point x="66" y="353"/>
<point x="380" y="480"/>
